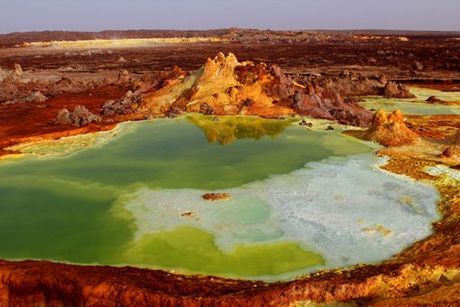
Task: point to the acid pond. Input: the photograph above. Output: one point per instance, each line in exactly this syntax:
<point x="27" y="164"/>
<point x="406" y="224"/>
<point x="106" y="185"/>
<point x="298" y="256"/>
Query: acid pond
<point x="301" y="200"/>
<point x="417" y="105"/>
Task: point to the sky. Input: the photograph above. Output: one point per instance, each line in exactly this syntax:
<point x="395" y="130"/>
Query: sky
<point x="96" y="15"/>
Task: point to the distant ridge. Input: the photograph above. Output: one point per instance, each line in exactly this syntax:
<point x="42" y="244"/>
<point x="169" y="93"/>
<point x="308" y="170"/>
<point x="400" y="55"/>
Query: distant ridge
<point x="16" y="38"/>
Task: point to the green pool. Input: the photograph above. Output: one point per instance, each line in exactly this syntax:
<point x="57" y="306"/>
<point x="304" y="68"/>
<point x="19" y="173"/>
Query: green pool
<point x="416" y="106"/>
<point x="133" y="196"/>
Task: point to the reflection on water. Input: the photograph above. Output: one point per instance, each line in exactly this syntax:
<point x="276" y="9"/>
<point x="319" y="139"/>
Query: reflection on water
<point x="228" y="129"/>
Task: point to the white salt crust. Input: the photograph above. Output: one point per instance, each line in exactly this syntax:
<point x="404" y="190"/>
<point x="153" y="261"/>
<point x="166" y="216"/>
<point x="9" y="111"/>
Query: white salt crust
<point x="344" y="208"/>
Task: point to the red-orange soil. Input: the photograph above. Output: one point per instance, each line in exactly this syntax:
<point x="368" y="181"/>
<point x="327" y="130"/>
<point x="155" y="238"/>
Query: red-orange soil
<point x="23" y="122"/>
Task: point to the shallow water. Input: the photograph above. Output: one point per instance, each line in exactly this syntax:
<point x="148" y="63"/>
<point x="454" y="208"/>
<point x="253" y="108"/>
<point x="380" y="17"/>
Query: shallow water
<point x="133" y="196"/>
<point x="416" y="106"/>
<point x="425" y="93"/>
<point x="345" y="209"/>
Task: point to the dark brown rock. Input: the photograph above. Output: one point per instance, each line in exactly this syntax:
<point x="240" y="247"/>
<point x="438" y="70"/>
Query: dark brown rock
<point x="125" y="105"/>
<point x="206" y="109"/>
<point x="216" y="196"/>
<point x="36" y="97"/>
<point x="80" y="117"/>
<point x="396" y="90"/>
<point x="434" y="99"/>
<point x="448" y="152"/>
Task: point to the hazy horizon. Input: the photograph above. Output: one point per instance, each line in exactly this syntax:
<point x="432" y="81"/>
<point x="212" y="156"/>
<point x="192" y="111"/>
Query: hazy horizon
<point x="99" y="15"/>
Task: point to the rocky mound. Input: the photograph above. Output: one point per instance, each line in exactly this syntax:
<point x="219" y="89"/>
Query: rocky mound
<point x="388" y="130"/>
<point x="225" y="86"/>
<point x="346" y="83"/>
<point x="36" y="97"/>
<point x="80" y="117"/>
<point x="18" y="86"/>
<point x="396" y="90"/>
<point x="434" y="99"/>
<point x="216" y="196"/>
<point x="353" y="84"/>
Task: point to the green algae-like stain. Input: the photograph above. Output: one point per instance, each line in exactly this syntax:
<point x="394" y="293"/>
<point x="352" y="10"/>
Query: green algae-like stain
<point x="192" y="249"/>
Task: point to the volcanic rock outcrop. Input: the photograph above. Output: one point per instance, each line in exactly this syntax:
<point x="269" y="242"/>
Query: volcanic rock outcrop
<point x="14" y="88"/>
<point x="396" y="90"/>
<point x="216" y="196"/>
<point x="353" y="84"/>
<point x="348" y="84"/>
<point x="434" y="99"/>
<point x="18" y="70"/>
<point x="125" y="105"/>
<point x="388" y="130"/>
<point x="80" y="117"/>
<point x="36" y="97"/>
<point x="224" y="86"/>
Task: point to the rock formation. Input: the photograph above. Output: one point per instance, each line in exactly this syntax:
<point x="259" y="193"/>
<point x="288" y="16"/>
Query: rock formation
<point x="396" y="90"/>
<point x="389" y="130"/>
<point x="123" y="77"/>
<point x="18" y="70"/>
<point x="349" y="84"/>
<point x="224" y="86"/>
<point x="216" y="196"/>
<point x="434" y="99"/>
<point x="125" y="105"/>
<point x="80" y="117"/>
<point x="447" y="153"/>
<point x="36" y="97"/>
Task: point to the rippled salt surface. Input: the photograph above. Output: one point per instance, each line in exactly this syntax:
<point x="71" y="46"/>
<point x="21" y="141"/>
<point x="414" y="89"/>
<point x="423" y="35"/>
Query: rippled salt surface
<point x="344" y="208"/>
